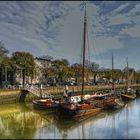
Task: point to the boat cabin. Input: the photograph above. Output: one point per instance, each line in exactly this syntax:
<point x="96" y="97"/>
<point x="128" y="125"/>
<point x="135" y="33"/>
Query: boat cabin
<point x="73" y="97"/>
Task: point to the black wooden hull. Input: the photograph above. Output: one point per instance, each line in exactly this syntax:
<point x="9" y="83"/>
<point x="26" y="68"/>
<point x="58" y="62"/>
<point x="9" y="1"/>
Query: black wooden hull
<point x="110" y="106"/>
<point x="137" y="93"/>
<point x="106" y="103"/>
<point x="74" y="113"/>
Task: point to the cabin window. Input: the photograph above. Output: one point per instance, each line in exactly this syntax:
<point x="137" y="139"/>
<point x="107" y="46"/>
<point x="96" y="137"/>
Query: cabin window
<point x="72" y="98"/>
<point x="77" y="98"/>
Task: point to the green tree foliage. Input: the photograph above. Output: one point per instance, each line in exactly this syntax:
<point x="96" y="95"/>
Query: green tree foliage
<point x="25" y="61"/>
<point x="4" y="62"/>
<point x="137" y="77"/>
<point x="61" y="68"/>
<point x="6" y="71"/>
<point x="3" y="51"/>
<point x="77" y="69"/>
<point x="49" y="73"/>
<point x="117" y="74"/>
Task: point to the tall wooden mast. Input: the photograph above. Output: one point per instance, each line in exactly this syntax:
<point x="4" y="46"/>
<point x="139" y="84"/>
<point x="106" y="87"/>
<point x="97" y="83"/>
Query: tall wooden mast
<point x="84" y="47"/>
<point x="112" y="72"/>
<point x="127" y="76"/>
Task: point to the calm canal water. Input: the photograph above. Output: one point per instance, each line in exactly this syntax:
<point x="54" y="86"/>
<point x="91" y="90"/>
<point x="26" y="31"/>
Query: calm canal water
<point x="21" y="122"/>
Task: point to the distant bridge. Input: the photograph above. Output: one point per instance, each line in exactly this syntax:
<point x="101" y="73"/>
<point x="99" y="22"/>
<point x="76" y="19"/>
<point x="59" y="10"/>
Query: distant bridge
<point x="37" y="91"/>
<point x="33" y="89"/>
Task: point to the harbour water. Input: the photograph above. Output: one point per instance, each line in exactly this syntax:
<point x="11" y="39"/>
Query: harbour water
<point x="21" y="121"/>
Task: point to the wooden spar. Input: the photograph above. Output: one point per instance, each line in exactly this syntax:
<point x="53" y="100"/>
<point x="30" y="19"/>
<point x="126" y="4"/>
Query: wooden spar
<point x="112" y="72"/>
<point x="127" y="76"/>
<point x="84" y="46"/>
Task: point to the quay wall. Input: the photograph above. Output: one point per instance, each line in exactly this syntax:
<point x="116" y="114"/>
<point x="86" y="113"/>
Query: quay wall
<point x="8" y="96"/>
<point x="60" y="89"/>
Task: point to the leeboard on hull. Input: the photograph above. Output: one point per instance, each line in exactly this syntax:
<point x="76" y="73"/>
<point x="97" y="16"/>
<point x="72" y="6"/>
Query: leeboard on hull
<point x="127" y="97"/>
<point x="116" y="105"/>
<point x="119" y="103"/>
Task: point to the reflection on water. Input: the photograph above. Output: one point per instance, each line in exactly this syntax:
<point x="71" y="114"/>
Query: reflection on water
<point x="21" y="121"/>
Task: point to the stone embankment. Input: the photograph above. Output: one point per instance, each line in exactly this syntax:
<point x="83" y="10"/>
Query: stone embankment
<point x="14" y="95"/>
<point x="60" y="89"/>
<point x="9" y="96"/>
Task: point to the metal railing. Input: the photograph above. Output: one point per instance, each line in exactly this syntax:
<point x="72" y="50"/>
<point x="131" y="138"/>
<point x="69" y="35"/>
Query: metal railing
<point x="38" y="92"/>
<point x="33" y="89"/>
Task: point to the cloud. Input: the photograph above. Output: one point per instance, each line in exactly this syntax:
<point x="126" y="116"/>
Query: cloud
<point x="135" y="10"/>
<point x="105" y="44"/>
<point x="120" y="8"/>
<point x="101" y="49"/>
<point x="113" y="18"/>
<point x="134" y="16"/>
<point x="56" y="27"/>
<point x="120" y="19"/>
<point x="132" y="31"/>
<point x="38" y="21"/>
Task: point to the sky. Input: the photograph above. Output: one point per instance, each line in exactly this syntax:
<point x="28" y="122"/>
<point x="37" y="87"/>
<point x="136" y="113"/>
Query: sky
<point x="55" y="28"/>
